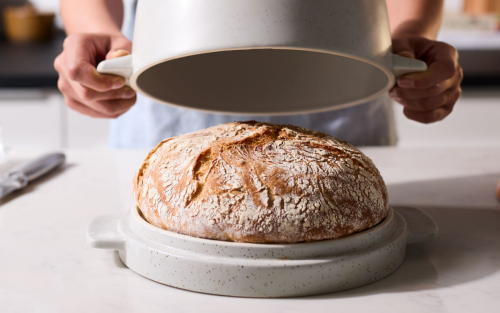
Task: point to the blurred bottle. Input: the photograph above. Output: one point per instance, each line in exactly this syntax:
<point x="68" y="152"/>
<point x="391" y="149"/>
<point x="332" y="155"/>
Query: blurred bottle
<point x="26" y="24"/>
<point x="480" y="8"/>
<point x="7" y="3"/>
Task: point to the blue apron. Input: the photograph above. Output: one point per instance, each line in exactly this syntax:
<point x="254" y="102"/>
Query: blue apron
<point x="149" y="122"/>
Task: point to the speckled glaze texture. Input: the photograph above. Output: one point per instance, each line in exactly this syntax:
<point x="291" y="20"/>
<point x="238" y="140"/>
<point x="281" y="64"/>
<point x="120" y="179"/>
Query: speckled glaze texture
<point x="168" y="30"/>
<point x="261" y="183"/>
<point x="356" y="27"/>
<point x="261" y="270"/>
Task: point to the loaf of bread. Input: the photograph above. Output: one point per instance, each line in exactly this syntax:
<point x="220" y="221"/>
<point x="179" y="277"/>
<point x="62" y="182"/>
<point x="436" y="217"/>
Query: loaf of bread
<point x="260" y="183"/>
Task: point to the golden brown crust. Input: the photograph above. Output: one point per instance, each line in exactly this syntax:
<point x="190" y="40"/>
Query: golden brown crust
<point x="262" y="183"/>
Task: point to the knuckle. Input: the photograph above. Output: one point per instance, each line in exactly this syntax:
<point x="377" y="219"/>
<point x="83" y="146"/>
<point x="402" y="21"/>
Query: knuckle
<point x="449" y="48"/>
<point x="108" y="109"/>
<point x="426" y="104"/>
<point x="427" y="119"/>
<point x="460" y="73"/>
<point x="423" y="83"/>
<point x="423" y="105"/>
<point x="450" y="68"/>
<point x="450" y="109"/>
<point x="57" y="63"/>
<point x="69" y="41"/>
<point x="438" y="89"/>
<point x="73" y="40"/>
<point x="397" y="94"/>
<point x="74" y="71"/>
<point x="70" y="103"/>
<point x="106" y="85"/>
<point x="86" y="94"/>
<point x="61" y="85"/>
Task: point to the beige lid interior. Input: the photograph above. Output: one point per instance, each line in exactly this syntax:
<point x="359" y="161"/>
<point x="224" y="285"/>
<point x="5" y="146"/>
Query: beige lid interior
<point x="263" y="81"/>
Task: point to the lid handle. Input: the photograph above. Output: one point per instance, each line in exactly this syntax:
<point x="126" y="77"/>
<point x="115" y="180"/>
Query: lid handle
<point x="403" y="65"/>
<point x="121" y="66"/>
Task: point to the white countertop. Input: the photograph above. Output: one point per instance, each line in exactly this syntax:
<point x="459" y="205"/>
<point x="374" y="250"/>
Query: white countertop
<point x="47" y="266"/>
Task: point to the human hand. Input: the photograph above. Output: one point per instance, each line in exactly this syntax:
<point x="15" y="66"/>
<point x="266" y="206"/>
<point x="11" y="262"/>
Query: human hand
<point x="84" y="89"/>
<point x="498" y="190"/>
<point x="428" y="96"/>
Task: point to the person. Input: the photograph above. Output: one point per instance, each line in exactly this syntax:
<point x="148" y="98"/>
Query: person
<point x="498" y="190"/>
<point x="93" y="28"/>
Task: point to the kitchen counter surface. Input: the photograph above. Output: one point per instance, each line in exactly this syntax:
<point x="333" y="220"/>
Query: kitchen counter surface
<point x="47" y="266"/>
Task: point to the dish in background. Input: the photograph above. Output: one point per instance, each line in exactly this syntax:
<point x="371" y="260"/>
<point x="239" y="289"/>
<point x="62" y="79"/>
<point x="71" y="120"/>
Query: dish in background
<point x="26" y="24"/>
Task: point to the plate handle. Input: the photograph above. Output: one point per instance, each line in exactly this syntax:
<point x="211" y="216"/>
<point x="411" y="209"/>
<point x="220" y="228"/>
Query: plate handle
<point x="102" y="233"/>
<point x="420" y="226"/>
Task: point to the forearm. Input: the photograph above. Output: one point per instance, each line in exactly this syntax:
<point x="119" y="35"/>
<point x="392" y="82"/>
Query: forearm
<point x="92" y="16"/>
<point x="415" y="17"/>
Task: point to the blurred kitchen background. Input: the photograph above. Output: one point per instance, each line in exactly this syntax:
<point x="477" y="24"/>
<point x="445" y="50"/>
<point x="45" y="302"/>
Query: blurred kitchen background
<point x="33" y="114"/>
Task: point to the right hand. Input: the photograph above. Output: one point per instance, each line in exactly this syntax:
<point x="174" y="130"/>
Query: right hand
<point x="498" y="190"/>
<point x="84" y="89"/>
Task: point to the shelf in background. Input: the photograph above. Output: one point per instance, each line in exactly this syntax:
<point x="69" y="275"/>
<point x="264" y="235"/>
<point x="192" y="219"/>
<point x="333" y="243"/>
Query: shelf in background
<point x="29" y="65"/>
<point x="479" y="52"/>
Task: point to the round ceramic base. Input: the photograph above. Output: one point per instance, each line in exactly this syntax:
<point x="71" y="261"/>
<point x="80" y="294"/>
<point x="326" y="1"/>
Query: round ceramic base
<point x="261" y="270"/>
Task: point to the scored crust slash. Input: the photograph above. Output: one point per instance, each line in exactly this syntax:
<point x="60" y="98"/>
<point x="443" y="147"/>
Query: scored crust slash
<point x="260" y="183"/>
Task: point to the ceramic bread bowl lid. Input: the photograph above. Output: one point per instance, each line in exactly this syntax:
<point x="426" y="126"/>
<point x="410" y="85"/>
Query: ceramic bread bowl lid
<point x="260" y="57"/>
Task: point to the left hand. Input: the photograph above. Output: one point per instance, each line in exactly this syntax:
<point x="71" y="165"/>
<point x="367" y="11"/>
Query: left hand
<point x="428" y="96"/>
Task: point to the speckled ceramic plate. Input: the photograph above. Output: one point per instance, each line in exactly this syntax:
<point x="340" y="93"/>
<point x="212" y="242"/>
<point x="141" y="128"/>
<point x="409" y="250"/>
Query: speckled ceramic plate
<point x="261" y="270"/>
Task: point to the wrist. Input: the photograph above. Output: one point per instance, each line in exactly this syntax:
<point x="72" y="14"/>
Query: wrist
<point x="414" y="29"/>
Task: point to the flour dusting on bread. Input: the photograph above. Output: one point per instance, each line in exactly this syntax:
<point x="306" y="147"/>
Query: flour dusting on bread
<point x="261" y="183"/>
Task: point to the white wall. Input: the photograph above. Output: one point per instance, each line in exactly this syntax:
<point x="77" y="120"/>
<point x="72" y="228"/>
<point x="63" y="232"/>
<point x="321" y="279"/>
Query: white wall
<point x="473" y="122"/>
<point x="453" y="5"/>
<point x="53" y="6"/>
<point x="49" y="6"/>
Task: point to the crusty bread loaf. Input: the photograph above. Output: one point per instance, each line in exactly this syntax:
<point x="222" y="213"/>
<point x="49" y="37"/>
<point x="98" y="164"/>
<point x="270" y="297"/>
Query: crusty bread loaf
<point x="260" y="183"/>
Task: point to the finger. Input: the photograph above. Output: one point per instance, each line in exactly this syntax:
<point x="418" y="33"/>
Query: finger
<point x="80" y="59"/>
<point x="407" y="54"/>
<point x="83" y="109"/>
<point x="117" y="54"/>
<point x="442" y="65"/>
<point x="105" y="108"/>
<point x="429" y="116"/>
<point x="450" y="96"/>
<point x="498" y="191"/>
<point x="86" y="74"/>
<point x="87" y="94"/>
<point x="112" y="108"/>
<point x="403" y="48"/>
<point x="119" y="43"/>
<point x="398" y="93"/>
<point x="412" y="93"/>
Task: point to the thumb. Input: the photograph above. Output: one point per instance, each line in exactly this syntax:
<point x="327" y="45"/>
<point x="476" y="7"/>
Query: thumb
<point x="120" y="46"/>
<point x="117" y="54"/>
<point x="407" y="54"/>
<point x="403" y="47"/>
